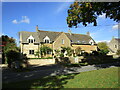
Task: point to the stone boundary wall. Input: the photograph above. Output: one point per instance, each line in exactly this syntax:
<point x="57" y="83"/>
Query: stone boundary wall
<point x="40" y="62"/>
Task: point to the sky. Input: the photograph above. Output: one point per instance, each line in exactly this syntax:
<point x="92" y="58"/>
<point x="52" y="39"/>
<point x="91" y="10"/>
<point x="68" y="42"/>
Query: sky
<point x="50" y="16"/>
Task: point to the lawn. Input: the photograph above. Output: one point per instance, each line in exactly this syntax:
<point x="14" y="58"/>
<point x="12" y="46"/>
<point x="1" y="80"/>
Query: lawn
<point x="104" y="78"/>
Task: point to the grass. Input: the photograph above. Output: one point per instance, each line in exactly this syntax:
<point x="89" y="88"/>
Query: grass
<point x="104" y="78"/>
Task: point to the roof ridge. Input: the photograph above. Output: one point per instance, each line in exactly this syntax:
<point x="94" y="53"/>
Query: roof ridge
<point x="61" y="32"/>
<point x="48" y="31"/>
<point x="27" y="31"/>
<point x="77" y="34"/>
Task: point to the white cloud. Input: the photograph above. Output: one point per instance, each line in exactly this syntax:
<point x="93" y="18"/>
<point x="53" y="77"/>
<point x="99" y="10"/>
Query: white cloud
<point x="102" y="16"/>
<point x="15" y="21"/>
<point x="115" y="27"/>
<point x="24" y="19"/>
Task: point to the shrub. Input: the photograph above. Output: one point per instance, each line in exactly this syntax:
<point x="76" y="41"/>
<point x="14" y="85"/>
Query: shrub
<point x="95" y="53"/>
<point x="118" y="52"/>
<point x="85" y="54"/>
<point x="61" y="55"/>
<point x="12" y="56"/>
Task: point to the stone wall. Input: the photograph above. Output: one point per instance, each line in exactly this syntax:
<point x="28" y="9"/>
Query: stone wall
<point x="87" y="48"/>
<point x="30" y="46"/>
<point x="58" y="42"/>
<point x="41" y="62"/>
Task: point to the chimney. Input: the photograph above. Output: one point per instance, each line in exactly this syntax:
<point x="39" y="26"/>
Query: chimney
<point x="37" y="28"/>
<point x="88" y="33"/>
<point x="113" y="37"/>
<point x="69" y="31"/>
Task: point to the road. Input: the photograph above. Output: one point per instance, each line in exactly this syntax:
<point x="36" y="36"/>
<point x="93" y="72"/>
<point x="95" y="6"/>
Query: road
<point x="50" y="70"/>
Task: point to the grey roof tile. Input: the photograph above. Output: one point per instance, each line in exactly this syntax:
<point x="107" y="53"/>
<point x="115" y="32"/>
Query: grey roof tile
<point x="40" y="35"/>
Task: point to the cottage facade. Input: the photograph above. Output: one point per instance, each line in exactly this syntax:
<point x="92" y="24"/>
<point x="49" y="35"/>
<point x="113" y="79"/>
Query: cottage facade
<point x="114" y="45"/>
<point x="30" y="42"/>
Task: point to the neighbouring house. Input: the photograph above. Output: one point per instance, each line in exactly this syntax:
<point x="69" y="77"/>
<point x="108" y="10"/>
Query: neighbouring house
<point x="114" y="45"/>
<point x="30" y="42"/>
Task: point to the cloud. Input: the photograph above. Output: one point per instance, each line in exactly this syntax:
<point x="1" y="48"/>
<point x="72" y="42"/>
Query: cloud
<point x="115" y="27"/>
<point x="24" y="19"/>
<point x="102" y="16"/>
<point x="15" y="21"/>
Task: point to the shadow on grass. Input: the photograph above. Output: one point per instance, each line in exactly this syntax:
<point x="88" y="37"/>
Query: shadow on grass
<point x="51" y="76"/>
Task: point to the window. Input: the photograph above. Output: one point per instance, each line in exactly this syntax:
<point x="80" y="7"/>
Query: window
<point x="31" y="51"/>
<point x="115" y="46"/>
<point x="48" y="52"/>
<point x="47" y="41"/>
<point x="30" y="40"/>
<point x="62" y="41"/>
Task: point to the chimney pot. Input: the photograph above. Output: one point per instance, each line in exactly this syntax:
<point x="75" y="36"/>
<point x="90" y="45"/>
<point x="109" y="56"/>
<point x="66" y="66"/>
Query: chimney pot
<point x="69" y="31"/>
<point x="37" y="28"/>
<point x="88" y="33"/>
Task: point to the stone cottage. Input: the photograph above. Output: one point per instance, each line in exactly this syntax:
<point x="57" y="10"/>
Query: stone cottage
<point x="114" y="45"/>
<point x="30" y="42"/>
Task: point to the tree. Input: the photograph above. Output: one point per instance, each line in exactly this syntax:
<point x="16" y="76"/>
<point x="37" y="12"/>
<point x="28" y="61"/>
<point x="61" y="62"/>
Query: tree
<point x="87" y="12"/>
<point x="68" y="49"/>
<point x="37" y="54"/>
<point x="103" y="47"/>
<point x="44" y="50"/>
<point x="57" y="52"/>
<point x="8" y="44"/>
<point x="78" y="50"/>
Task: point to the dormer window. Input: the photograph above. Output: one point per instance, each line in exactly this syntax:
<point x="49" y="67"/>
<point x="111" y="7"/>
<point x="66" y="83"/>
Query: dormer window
<point x="91" y="42"/>
<point x="31" y="39"/>
<point x="46" y="39"/>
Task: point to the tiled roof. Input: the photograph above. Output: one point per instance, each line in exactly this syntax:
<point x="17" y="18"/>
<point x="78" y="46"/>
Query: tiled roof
<point x="26" y="34"/>
<point x="79" y="38"/>
<point x="50" y="34"/>
<point x="118" y="39"/>
<point x="40" y="35"/>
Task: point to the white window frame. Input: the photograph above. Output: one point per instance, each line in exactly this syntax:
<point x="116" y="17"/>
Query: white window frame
<point x="31" y="39"/>
<point x="46" y="39"/>
<point x="91" y="42"/>
<point x="31" y="52"/>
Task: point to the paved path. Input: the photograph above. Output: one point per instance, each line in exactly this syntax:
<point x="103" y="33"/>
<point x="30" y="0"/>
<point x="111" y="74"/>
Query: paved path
<point x="50" y="70"/>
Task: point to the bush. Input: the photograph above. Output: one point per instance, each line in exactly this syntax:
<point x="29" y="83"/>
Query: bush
<point x="85" y="54"/>
<point x="61" y="55"/>
<point x="118" y="52"/>
<point x="95" y="53"/>
<point x="103" y="52"/>
<point x="12" y="56"/>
